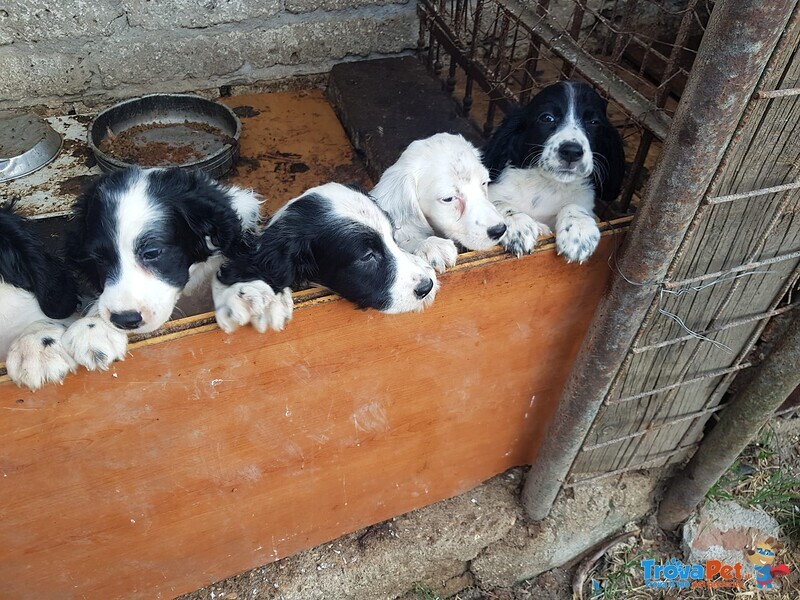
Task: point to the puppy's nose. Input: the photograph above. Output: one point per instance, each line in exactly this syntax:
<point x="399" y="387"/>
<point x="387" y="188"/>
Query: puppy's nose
<point x="424" y="288"/>
<point x="570" y="151"/>
<point x="129" y="319"/>
<point x="496" y="232"/>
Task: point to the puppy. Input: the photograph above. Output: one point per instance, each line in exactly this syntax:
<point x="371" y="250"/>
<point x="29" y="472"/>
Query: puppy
<point x="548" y="162"/>
<point x="332" y="236"/>
<point x="144" y="238"/>
<point x="436" y="193"/>
<point x="36" y="293"/>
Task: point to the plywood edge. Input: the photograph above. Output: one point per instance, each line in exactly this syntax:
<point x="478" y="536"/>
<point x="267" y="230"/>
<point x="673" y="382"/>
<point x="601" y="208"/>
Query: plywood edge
<point x="201" y="323"/>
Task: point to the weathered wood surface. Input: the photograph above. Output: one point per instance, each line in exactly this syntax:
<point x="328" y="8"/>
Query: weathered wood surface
<point x="203" y="454"/>
<point x="766" y="153"/>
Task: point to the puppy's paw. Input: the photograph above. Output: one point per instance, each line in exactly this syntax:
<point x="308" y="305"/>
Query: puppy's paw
<point x="577" y="234"/>
<point x="95" y="344"/>
<point x="38" y="357"/>
<point x="438" y="253"/>
<point x="522" y="233"/>
<point x="251" y="302"/>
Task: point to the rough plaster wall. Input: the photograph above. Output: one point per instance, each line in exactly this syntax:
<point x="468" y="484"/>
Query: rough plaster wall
<point x="104" y="49"/>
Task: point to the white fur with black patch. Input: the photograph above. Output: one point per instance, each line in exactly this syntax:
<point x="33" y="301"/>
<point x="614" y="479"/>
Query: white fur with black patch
<point x="151" y="242"/>
<point x="549" y="160"/>
<point x="333" y="237"/>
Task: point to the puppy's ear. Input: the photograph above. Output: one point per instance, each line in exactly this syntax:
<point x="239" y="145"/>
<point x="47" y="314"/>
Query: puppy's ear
<point x="204" y="206"/>
<point x="55" y="288"/>
<point x="86" y="207"/>
<point x="25" y="263"/>
<point x="506" y="145"/>
<point x="609" y="158"/>
<point x="398" y="195"/>
<point x="281" y="256"/>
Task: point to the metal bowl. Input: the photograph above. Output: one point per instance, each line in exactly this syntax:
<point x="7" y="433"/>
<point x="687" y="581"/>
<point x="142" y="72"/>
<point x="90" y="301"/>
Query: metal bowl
<point x="27" y="143"/>
<point x="165" y="130"/>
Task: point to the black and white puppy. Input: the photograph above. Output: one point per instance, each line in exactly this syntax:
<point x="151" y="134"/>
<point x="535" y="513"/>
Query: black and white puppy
<point x="145" y="238"/>
<point x="332" y="236"/>
<point x="37" y="293"/>
<point x="549" y="161"/>
<point x="436" y="194"/>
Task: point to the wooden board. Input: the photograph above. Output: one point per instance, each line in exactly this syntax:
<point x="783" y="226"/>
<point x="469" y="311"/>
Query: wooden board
<point x="204" y="454"/>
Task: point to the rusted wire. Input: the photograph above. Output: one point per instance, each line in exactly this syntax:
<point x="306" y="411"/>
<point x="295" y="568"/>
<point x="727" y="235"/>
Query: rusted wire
<point x="683" y="418"/>
<point x="763" y="191"/>
<point x="712" y="330"/>
<point x="646" y="464"/>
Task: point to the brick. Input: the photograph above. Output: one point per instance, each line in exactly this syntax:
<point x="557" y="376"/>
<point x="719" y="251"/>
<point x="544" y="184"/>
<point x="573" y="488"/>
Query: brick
<point x="201" y="54"/>
<point x="28" y="74"/>
<point x="33" y="21"/>
<point x="301" y="6"/>
<point x="165" y="14"/>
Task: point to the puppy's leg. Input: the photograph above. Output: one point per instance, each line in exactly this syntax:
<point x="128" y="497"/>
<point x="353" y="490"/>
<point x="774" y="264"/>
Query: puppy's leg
<point x="94" y="343"/>
<point x="251" y="302"/>
<point x="577" y="234"/>
<point x="38" y="356"/>
<point x="439" y="253"/>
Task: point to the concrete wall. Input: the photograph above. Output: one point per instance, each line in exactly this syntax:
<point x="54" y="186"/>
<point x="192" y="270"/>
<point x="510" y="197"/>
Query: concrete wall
<point x="98" y="50"/>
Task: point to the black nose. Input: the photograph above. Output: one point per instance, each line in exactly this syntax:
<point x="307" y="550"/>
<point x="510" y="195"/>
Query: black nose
<point x="130" y="319"/>
<point x="570" y="151"/>
<point x="497" y="231"/>
<point x="424" y="288"/>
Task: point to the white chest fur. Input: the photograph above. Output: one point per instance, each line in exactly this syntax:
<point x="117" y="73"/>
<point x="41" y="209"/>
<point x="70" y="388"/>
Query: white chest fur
<point x="531" y="192"/>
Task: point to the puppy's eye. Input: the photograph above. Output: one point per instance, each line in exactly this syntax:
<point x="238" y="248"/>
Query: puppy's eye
<point x="151" y="253"/>
<point x="485" y="183"/>
<point x="547" y="118"/>
<point x="447" y="200"/>
<point x="368" y="256"/>
<point x="594" y="121"/>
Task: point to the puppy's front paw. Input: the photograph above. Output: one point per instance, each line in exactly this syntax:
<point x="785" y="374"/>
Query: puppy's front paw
<point x="438" y="253"/>
<point x="251" y="302"/>
<point x="38" y="356"/>
<point x="522" y="234"/>
<point x="94" y="343"/>
<point x="577" y="235"/>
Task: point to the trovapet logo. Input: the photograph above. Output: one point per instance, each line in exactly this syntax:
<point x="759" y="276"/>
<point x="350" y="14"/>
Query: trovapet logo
<point x="762" y="555"/>
<point x="676" y="574"/>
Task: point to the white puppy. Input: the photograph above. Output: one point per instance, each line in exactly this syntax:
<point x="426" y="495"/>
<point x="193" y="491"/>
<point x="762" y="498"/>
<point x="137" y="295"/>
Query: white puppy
<point x="436" y="193"/>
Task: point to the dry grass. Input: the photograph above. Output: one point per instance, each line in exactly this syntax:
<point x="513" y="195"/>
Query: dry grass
<point x="767" y="475"/>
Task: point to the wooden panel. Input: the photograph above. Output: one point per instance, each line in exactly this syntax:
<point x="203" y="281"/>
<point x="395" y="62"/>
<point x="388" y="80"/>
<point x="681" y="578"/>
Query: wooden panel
<point x="204" y="455"/>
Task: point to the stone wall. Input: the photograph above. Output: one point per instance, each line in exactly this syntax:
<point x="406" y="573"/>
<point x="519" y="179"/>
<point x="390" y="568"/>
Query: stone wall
<point x="95" y="51"/>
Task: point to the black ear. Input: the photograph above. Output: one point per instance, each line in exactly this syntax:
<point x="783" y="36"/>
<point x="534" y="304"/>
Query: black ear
<point x="87" y="207"/>
<point x="506" y="145"/>
<point x="281" y="256"/>
<point x="203" y="206"/>
<point x="25" y="263"/>
<point x="609" y="161"/>
<point x="55" y="288"/>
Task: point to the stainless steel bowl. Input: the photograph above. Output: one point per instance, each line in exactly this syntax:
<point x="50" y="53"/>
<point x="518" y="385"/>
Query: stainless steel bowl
<point x="27" y="143"/>
<point x="163" y="130"/>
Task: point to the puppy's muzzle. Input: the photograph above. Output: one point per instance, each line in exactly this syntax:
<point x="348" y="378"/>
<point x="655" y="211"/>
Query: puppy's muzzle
<point x="129" y="319"/>
<point x="496" y="232"/>
<point x="424" y="288"/>
<point x="570" y="152"/>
